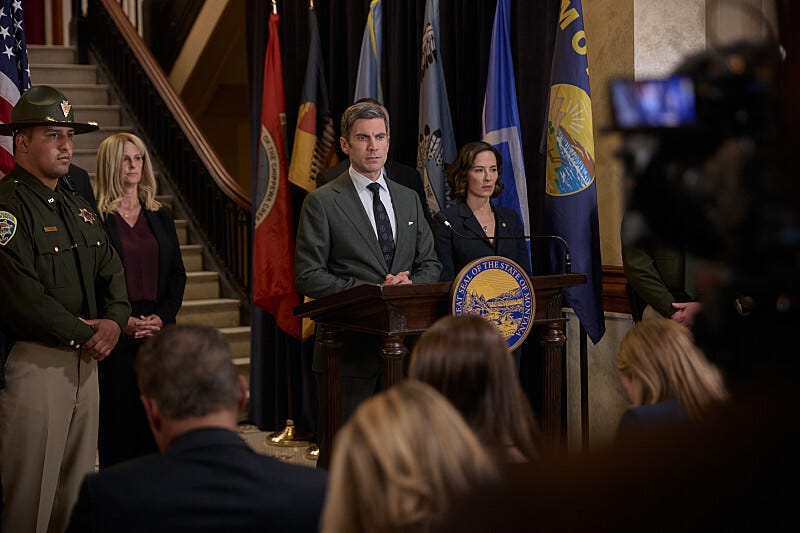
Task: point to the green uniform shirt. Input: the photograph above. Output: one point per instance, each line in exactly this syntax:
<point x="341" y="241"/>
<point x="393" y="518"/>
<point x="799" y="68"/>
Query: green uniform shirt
<point x="56" y="264"/>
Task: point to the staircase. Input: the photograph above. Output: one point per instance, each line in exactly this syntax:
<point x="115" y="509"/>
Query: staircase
<point x="93" y="101"/>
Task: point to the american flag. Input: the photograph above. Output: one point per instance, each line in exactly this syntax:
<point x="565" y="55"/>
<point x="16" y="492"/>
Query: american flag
<point x="15" y="75"/>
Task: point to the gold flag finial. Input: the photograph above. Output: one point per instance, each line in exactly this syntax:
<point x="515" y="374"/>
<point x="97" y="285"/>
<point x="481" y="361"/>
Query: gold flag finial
<point x="310" y="4"/>
<point x="275" y="7"/>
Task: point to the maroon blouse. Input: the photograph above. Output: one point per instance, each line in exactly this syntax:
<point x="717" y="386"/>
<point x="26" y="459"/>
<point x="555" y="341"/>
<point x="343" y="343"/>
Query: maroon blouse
<point x="140" y="258"/>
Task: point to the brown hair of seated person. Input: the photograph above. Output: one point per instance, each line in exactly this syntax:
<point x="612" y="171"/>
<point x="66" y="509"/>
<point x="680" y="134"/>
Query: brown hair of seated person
<point x="658" y="360"/>
<point x="466" y="359"/>
<point x="400" y="461"/>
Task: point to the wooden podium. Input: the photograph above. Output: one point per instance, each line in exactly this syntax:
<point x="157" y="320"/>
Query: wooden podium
<point x="396" y="311"/>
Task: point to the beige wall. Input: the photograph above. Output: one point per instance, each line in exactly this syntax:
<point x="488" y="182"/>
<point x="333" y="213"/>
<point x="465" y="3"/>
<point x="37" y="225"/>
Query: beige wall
<point x="665" y="32"/>
<point x="210" y="74"/>
<point x="609" y="34"/>
<point x="752" y="19"/>
<point x="649" y="38"/>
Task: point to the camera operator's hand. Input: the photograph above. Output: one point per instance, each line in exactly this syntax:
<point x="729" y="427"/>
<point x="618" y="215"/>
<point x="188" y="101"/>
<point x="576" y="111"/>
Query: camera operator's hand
<point x="686" y="312"/>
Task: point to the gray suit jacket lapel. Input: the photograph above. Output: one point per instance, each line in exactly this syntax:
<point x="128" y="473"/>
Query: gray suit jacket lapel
<point x="350" y="204"/>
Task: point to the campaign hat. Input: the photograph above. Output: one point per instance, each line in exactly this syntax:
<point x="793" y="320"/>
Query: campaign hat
<point x="43" y="105"/>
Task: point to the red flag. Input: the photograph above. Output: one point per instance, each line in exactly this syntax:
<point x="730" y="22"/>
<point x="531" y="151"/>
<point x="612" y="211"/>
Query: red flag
<point x="273" y="244"/>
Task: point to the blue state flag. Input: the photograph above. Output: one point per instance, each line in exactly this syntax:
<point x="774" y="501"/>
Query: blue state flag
<point x="437" y="145"/>
<point x="570" y="191"/>
<point x="501" y="116"/>
<point x="368" y="81"/>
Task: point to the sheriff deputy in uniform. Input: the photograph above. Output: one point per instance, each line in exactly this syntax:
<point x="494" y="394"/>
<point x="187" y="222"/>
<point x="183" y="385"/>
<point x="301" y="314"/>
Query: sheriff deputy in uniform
<point x="63" y="305"/>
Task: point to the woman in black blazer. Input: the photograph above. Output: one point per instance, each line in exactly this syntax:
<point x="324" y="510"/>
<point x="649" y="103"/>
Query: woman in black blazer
<point x="143" y="233"/>
<point x="474" y="178"/>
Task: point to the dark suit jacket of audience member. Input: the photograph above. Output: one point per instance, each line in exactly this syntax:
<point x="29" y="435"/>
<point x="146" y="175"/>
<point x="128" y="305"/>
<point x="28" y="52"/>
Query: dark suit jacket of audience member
<point x="455" y="252"/>
<point x="77" y="180"/>
<point x="208" y="480"/>
<point x="171" y="272"/>
<point x="397" y="172"/>
<point x="653" y="416"/>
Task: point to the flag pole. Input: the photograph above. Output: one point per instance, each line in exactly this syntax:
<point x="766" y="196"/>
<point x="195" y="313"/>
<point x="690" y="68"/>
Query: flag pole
<point x="287" y="437"/>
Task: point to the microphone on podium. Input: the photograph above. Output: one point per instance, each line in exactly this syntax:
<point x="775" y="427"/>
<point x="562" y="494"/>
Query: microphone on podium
<point x="439" y="217"/>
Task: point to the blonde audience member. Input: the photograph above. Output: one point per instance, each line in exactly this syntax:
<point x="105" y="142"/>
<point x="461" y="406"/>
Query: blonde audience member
<point x="466" y="359"/>
<point x="399" y="462"/>
<point x="666" y="376"/>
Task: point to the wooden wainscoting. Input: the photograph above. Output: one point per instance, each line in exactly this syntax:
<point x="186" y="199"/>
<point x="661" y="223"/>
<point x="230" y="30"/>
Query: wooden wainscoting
<point x="615" y="299"/>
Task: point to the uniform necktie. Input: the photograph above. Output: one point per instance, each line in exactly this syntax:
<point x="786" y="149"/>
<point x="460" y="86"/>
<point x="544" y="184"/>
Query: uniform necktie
<point x="382" y="224"/>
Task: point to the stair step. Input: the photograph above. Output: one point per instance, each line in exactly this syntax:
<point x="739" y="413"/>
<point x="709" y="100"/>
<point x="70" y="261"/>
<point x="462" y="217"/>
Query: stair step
<point x="243" y="363"/>
<point x="192" y="257"/>
<point x="103" y="115"/>
<point x="84" y="94"/>
<point x="55" y="74"/>
<point x="165" y="199"/>
<point x="92" y="140"/>
<point x="239" y="339"/>
<point x="40" y="54"/>
<point x="201" y="285"/>
<point x="86" y="158"/>
<point x="181" y="226"/>
<point x="89" y="92"/>
<point x="218" y="312"/>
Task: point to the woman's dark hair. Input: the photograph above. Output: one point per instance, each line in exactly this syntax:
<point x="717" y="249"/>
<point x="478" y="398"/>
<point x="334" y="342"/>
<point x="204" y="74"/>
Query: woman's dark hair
<point x="466" y="359"/>
<point x="458" y="171"/>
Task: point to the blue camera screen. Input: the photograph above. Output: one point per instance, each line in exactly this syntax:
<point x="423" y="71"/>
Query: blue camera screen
<point x="653" y="103"/>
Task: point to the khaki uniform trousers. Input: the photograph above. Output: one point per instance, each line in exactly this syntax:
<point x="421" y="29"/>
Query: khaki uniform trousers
<point x="48" y="435"/>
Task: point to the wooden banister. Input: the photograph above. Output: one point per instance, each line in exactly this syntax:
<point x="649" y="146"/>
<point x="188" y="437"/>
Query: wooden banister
<point x="175" y="105"/>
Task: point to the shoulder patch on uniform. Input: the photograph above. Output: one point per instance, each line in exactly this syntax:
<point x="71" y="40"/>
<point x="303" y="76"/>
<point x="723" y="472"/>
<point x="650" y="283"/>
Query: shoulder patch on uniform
<point x="8" y="227"/>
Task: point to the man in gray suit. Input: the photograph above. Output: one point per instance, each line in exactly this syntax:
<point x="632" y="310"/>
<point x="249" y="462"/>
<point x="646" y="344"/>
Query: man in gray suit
<point x="362" y="228"/>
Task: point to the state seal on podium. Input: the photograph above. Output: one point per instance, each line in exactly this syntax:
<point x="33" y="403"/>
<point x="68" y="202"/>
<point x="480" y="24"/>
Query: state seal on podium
<point x="500" y="291"/>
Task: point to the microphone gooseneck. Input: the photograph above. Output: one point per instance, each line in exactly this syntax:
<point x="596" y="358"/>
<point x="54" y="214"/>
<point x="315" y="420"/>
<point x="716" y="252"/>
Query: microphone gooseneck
<point x="440" y="218"/>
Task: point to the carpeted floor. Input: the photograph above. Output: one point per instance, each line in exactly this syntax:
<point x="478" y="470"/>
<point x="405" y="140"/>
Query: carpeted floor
<point x="260" y="441"/>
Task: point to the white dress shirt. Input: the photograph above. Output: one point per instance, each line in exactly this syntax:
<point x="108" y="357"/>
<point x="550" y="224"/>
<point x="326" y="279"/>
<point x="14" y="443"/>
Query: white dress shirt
<point x="365" y="195"/>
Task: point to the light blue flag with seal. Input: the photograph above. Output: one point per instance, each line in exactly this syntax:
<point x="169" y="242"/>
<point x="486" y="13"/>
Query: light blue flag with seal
<point x="368" y="81"/>
<point x="570" y="190"/>
<point x="501" y="117"/>
<point x="437" y="145"/>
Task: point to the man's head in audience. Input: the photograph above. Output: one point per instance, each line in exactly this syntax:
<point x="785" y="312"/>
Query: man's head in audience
<point x="188" y="381"/>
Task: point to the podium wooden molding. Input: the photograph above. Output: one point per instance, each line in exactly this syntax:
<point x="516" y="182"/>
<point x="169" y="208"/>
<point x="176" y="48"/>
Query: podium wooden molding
<point x="393" y="312"/>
